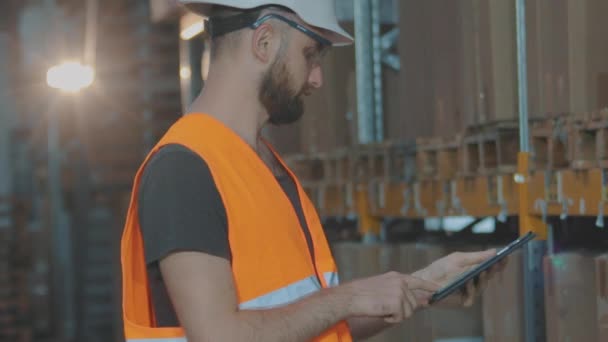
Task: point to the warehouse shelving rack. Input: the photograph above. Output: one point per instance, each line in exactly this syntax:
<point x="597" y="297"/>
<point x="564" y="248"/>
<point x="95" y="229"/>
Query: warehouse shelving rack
<point x="532" y="170"/>
<point x="434" y="178"/>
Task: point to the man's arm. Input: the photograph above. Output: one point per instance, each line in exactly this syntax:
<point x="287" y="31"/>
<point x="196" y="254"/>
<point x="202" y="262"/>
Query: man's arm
<point x="202" y="291"/>
<point x="207" y="307"/>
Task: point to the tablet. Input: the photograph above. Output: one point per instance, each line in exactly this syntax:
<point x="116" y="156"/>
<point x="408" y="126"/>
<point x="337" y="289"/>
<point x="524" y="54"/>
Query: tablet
<point x="462" y="280"/>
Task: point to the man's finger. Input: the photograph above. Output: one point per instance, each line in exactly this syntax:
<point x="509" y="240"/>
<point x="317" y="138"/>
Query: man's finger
<point x="502" y="264"/>
<point x="490" y="272"/>
<point x="496" y="268"/>
<point x="469" y="297"/>
<point x="404" y="308"/>
<point x="474" y="258"/>
<point x="411" y="299"/>
<point x="409" y="310"/>
<point x="483" y="281"/>
<point x="397" y="315"/>
<point x="408" y="295"/>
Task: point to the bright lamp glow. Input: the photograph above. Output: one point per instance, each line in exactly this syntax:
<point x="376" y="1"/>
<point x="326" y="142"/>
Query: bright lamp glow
<point x="70" y="77"/>
<point x="185" y="73"/>
<point x="192" y="30"/>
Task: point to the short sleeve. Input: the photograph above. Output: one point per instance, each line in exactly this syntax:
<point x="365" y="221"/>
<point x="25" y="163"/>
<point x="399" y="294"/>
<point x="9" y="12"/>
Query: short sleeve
<point x="180" y="208"/>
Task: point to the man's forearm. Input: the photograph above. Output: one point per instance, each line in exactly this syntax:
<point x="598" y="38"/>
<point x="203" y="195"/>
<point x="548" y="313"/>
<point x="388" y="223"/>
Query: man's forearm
<point x="300" y="321"/>
<point x="365" y="327"/>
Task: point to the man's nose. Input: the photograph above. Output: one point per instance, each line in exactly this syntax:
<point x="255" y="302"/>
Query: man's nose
<point x="316" y="77"/>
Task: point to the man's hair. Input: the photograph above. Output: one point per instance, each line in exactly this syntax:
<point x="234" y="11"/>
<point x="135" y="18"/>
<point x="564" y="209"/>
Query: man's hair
<point x="226" y="41"/>
<point x="232" y="39"/>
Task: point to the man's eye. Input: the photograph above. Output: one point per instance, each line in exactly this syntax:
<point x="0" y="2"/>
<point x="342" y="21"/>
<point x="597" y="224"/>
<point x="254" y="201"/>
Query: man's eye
<point x="314" y="56"/>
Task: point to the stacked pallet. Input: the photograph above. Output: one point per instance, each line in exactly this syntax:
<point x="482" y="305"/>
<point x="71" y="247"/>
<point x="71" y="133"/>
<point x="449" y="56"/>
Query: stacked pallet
<point x="138" y="95"/>
<point x="337" y="181"/>
<point x="97" y="300"/>
<point x="15" y="324"/>
<point x="472" y="173"/>
<point x="601" y="281"/>
<point x="135" y="98"/>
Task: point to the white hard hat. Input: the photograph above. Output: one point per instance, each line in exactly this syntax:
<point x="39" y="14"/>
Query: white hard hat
<point x="317" y="13"/>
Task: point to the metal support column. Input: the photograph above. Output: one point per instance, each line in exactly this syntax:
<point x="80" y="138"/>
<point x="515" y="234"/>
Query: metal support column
<point x="365" y="101"/>
<point x="522" y="76"/>
<point x="365" y="71"/>
<point x="377" y="53"/>
<point x="536" y="250"/>
<point x="63" y="281"/>
<point x="372" y="50"/>
<point x="6" y="122"/>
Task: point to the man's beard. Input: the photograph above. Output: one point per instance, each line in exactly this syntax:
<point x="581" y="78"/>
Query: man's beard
<point x="284" y="106"/>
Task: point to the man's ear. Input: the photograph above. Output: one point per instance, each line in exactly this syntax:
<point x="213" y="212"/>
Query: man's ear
<point x="264" y="44"/>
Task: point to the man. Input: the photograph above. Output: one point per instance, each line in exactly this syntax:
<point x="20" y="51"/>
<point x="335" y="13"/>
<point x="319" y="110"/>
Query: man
<point x="221" y="243"/>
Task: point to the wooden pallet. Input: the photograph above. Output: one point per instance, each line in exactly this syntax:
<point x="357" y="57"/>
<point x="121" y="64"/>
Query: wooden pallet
<point x="368" y="163"/>
<point x="589" y="140"/>
<point x="473" y="174"/>
<point x="14" y="296"/>
<point x="438" y="158"/>
<point x="426" y="157"/>
<point x="549" y="144"/>
<point x="490" y="149"/>
<point x="337" y="166"/>
<point x="400" y="162"/>
<point x="399" y="168"/>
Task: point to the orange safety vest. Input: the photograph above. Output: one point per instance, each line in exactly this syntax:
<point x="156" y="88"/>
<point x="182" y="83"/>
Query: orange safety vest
<point x="271" y="261"/>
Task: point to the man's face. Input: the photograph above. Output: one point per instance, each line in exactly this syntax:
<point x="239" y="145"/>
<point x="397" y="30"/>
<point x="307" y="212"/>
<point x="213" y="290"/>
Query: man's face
<point x="295" y="73"/>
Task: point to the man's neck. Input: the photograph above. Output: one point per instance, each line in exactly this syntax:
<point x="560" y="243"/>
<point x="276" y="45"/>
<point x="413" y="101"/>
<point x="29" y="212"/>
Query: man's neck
<point x="235" y="104"/>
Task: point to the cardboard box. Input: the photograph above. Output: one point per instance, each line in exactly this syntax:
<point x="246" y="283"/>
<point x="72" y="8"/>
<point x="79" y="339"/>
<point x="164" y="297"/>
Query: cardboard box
<point x="570" y="297"/>
<point x="601" y="278"/>
<point x="503" y="304"/>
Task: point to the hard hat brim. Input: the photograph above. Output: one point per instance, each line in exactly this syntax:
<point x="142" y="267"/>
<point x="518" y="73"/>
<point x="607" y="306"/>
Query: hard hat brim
<point x="332" y="31"/>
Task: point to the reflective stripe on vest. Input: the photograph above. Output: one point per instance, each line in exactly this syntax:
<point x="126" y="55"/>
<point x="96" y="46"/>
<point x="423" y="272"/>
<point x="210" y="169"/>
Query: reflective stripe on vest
<point x="331" y="279"/>
<point x="290" y="293"/>
<point x="284" y="295"/>
<point x="175" y="339"/>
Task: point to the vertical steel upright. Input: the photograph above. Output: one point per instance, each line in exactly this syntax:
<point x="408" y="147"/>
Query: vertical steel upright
<point x="377" y="53"/>
<point x="6" y="113"/>
<point x="535" y="251"/>
<point x="365" y="72"/>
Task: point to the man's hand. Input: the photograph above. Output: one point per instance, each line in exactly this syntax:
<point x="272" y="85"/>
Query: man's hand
<point x="446" y="269"/>
<point x="389" y="296"/>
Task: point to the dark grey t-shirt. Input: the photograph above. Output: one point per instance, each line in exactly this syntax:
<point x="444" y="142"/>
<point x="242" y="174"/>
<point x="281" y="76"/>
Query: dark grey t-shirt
<point x="180" y="209"/>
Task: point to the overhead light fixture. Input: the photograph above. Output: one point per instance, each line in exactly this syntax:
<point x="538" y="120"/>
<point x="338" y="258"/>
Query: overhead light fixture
<point x="193" y="30"/>
<point x="185" y="73"/>
<point x="70" y="77"/>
